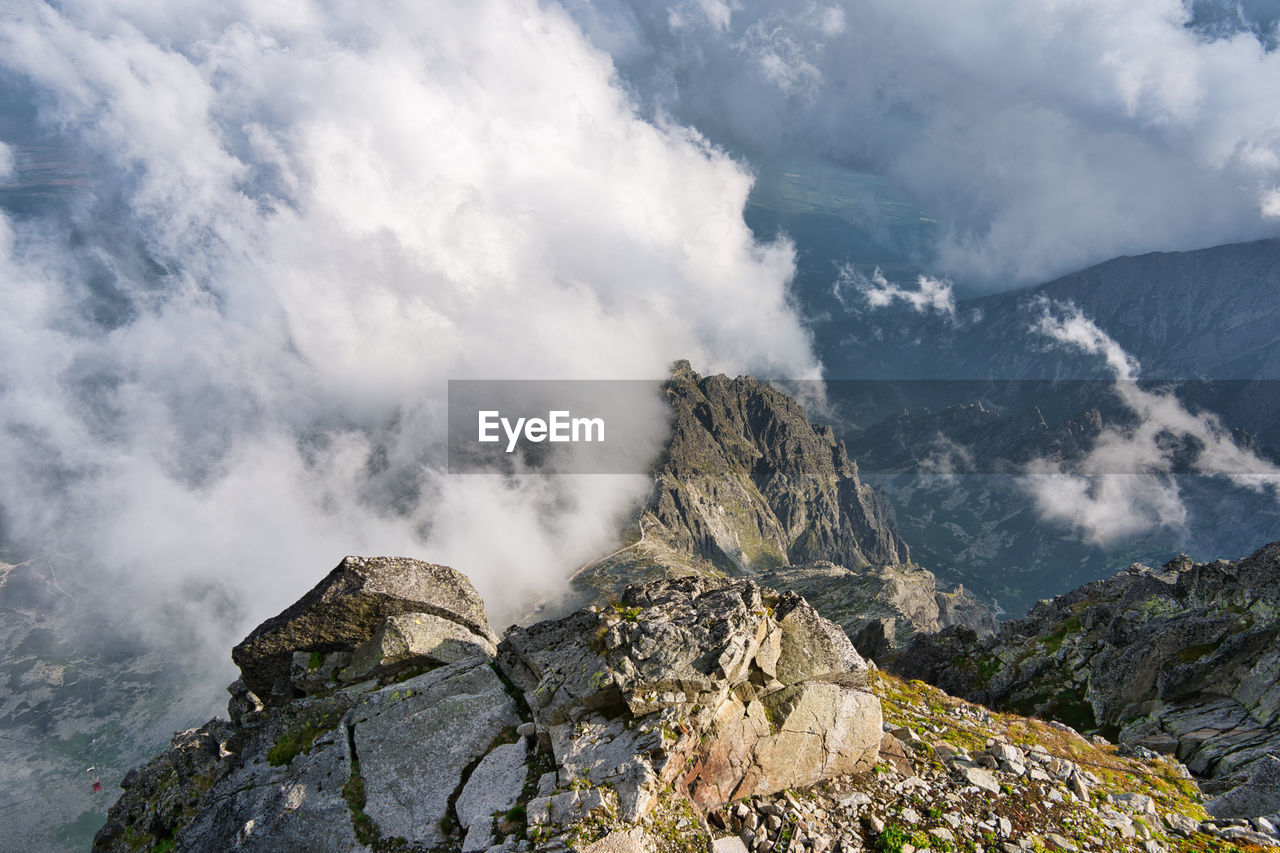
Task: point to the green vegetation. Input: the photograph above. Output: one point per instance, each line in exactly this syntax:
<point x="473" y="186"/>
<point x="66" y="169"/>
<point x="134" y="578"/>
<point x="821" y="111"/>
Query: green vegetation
<point x="630" y="614"/>
<point x="1053" y="642"/>
<point x="300" y="740"/>
<point x="364" y="827"/>
<point x="892" y="839"/>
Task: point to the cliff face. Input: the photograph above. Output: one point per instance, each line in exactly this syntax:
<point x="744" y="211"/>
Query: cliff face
<point x="748" y="487"/>
<point x="1183" y="660"/>
<point x="747" y="483"/>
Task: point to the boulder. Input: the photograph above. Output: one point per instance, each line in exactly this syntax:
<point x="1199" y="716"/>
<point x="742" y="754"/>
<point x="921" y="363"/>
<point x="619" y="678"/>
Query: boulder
<point x="347" y="608"/>
<point x="1259" y="795"/>
<point x="493" y="787"/>
<point x="416" y="741"/>
<point x="414" y="638"/>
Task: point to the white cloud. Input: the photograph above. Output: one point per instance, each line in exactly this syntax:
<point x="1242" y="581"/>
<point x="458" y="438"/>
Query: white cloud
<point x="306" y="220"/>
<point x="1079" y="332"/>
<point x="1271" y="204"/>
<point x="1125" y="484"/>
<point x="1043" y="138"/>
<point x="931" y="294"/>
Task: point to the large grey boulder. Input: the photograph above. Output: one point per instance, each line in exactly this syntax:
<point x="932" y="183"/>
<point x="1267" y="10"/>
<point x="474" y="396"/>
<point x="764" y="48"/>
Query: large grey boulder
<point x="1260" y="795"/>
<point x="414" y="638"/>
<point x="416" y="742"/>
<point x="336" y="773"/>
<point x="347" y="608"/>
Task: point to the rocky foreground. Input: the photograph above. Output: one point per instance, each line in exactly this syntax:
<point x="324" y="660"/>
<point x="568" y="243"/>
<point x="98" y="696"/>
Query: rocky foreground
<point x="1182" y="660"/>
<point x="380" y="713"/>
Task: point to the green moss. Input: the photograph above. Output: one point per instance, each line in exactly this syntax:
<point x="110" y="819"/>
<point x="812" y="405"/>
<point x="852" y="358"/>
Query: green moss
<point x="365" y="828"/>
<point x="892" y="839"/>
<point x="1054" y="641"/>
<point x="301" y="740"/>
<point x="630" y="614"/>
<point x="315" y="661"/>
<point x="1191" y="654"/>
<point x="775" y="721"/>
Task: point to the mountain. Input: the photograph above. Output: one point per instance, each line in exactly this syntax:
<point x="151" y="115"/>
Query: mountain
<point x="709" y="703"/>
<point x="1203" y="314"/>
<point x="747" y="487"/>
<point x="687" y="715"/>
<point x="1183" y="659"/>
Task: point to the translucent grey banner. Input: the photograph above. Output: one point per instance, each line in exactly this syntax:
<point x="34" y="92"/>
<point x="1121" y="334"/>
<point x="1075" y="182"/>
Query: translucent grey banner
<point x="555" y="426"/>
<point x="1002" y="427"/>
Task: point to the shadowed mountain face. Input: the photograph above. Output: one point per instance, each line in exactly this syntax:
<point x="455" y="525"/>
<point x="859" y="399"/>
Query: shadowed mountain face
<point x="1210" y="313"/>
<point x="957" y="479"/>
<point x="984" y="394"/>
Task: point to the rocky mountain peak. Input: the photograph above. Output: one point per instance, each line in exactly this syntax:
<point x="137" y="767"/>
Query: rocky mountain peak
<point x="747" y="483"/>
<point x="747" y="486"/>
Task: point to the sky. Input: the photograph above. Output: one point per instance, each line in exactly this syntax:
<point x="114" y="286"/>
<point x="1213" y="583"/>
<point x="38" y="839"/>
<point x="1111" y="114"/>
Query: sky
<point x="226" y="358"/>
<point x="1043" y="137"/>
<point x="286" y="225"/>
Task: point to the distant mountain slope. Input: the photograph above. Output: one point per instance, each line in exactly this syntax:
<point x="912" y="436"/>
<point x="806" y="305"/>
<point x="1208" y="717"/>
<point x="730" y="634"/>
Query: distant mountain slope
<point x="1209" y="313"/>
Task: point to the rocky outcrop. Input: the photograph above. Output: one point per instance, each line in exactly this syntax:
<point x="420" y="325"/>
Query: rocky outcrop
<point x="349" y="606"/>
<point x="1183" y="659"/>
<point x="748" y="487"/>
<point x="688" y="714"/>
<point x="727" y="688"/>
<point x="409" y="734"/>
<point x="882" y="607"/>
<point x="747" y="482"/>
<point x="953" y="776"/>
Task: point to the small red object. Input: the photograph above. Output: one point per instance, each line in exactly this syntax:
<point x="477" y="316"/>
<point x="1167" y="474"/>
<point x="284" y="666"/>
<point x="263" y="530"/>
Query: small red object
<point x="97" y="785"/>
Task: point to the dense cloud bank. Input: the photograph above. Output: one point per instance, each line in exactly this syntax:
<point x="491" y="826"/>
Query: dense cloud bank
<point x="1041" y="137"/>
<point x="225" y="358"/>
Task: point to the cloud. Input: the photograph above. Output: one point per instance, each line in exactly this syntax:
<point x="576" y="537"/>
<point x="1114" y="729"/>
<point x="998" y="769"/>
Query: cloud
<point x="931" y="294"/>
<point x="6" y="161"/>
<point x="1079" y="332"/>
<point x="225" y="365"/>
<point x="1126" y="484"/>
<point x="1042" y="138"/>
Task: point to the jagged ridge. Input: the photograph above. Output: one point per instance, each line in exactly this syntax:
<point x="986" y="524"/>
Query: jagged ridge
<point x="1183" y="660"/>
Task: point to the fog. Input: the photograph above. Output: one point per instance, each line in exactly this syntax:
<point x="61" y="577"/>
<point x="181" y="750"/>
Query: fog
<point x="226" y="357"/>
<point x="1041" y="138"/>
<point x="1126" y="484"/>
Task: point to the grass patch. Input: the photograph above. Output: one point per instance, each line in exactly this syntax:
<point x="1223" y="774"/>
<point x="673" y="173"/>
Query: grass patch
<point x="300" y="740"/>
<point x="1053" y="642"/>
